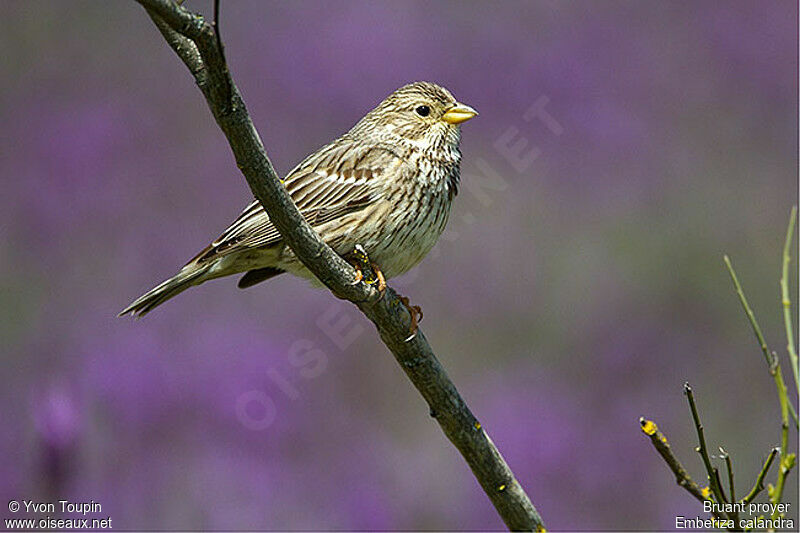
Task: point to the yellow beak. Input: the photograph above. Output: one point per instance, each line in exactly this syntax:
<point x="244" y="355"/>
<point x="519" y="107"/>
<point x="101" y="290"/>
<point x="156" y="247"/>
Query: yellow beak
<point x="458" y="114"/>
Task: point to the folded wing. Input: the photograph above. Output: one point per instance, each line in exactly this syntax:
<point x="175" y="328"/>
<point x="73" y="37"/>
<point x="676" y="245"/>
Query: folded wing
<point x="339" y="179"/>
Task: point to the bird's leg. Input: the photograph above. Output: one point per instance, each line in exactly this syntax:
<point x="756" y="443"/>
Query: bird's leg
<point x="359" y="274"/>
<point x="379" y="278"/>
<point x="360" y="261"/>
<point x="416" y="315"/>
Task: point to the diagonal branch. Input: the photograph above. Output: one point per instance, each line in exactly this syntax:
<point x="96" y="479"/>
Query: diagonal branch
<point x="198" y="45"/>
<point x="758" y="486"/>
<point x="787" y="460"/>
<point x="682" y="477"/>
<point x="772" y="360"/>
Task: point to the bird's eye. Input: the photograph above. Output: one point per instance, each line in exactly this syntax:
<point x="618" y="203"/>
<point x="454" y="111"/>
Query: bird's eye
<point x="423" y="111"/>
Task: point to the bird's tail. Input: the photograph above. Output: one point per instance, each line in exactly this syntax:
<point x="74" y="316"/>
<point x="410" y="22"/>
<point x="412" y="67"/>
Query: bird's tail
<point x="191" y="274"/>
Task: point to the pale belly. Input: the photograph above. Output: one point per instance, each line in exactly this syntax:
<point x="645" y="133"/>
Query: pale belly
<point x="395" y="240"/>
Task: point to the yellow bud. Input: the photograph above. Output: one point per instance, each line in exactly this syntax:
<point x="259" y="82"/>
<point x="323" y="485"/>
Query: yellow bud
<point x="649" y="427"/>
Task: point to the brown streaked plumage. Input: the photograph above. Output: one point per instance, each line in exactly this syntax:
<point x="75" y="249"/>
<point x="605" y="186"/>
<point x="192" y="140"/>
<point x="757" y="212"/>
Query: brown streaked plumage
<point x="387" y="184"/>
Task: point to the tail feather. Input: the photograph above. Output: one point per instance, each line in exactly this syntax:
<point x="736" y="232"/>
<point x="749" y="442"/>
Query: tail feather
<point x="190" y="275"/>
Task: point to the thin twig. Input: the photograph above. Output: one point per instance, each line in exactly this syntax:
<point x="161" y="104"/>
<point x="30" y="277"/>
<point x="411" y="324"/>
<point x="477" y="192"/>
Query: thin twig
<point x="762" y="343"/>
<point x="217" y="31"/>
<point x="713" y="475"/>
<point x="729" y="466"/>
<point x="663" y="448"/>
<point x="221" y="48"/>
<point x="786" y="301"/>
<point x="772" y="362"/>
<point x="759" y="485"/>
<point x="197" y="44"/>
<point x="787" y="460"/>
<point x="720" y="485"/>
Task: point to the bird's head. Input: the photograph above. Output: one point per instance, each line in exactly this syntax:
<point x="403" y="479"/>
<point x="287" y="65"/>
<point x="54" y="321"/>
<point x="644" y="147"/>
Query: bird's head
<point x="423" y="114"/>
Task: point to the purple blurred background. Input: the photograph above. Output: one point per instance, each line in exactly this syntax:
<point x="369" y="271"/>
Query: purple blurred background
<point x="575" y="290"/>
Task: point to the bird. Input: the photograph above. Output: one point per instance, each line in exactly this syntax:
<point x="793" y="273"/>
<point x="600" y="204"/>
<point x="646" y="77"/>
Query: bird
<point x="379" y="195"/>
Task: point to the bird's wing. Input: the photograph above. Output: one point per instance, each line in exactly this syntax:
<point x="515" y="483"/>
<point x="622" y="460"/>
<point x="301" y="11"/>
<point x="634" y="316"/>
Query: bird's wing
<point x="339" y="179"/>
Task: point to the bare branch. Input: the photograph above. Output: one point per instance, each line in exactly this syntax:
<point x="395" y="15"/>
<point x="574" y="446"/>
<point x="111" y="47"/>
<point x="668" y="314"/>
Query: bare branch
<point x="663" y="448"/>
<point x="730" y="507"/>
<point x="759" y="484"/>
<point x="729" y="465"/>
<point x="200" y="48"/>
<point x="787" y="459"/>
<point x="772" y="361"/>
<point x="713" y="473"/>
<point x="762" y="343"/>
<point x="786" y="301"/>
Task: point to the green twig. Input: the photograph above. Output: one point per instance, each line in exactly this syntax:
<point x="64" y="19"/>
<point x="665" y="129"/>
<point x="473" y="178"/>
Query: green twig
<point x="787" y="459"/>
<point x="749" y="312"/>
<point x="729" y="467"/>
<point x="759" y="485"/>
<point x="772" y="362"/>
<point x="787" y="303"/>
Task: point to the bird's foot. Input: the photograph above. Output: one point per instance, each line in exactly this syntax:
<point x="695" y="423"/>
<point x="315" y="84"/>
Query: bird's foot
<point x="360" y="261"/>
<point x="416" y="316"/>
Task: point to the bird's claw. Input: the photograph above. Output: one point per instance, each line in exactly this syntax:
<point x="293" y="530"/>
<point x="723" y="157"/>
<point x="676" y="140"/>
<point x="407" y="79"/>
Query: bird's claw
<point x="359" y="275"/>
<point x="416" y="316"/>
<point x="379" y="279"/>
<point x="361" y="259"/>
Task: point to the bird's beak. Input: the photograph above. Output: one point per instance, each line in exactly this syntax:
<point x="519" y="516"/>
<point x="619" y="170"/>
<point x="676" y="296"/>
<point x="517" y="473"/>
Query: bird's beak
<point x="459" y="113"/>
